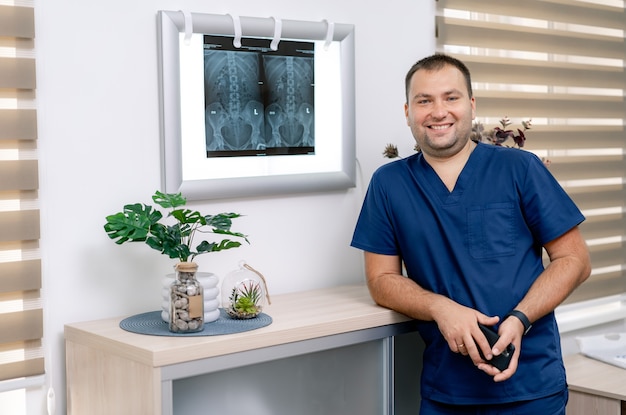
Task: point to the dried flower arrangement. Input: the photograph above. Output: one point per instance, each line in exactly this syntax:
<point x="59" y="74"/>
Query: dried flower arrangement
<point x="499" y="135"/>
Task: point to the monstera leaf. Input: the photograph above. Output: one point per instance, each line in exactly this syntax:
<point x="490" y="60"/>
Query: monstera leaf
<point x="132" y="224"/>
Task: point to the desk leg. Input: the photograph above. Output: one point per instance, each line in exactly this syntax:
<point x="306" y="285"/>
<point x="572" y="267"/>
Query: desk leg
<point x="389" y="374"/>
<point x="167" y="398"/>
<point x="100" y="383"/>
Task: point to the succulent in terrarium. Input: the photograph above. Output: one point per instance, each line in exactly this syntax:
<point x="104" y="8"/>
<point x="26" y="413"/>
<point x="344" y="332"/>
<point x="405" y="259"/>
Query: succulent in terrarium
<point x="245" y="300"/>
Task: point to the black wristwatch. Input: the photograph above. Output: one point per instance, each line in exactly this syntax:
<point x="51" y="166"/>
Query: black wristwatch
<point x="522" y="317"/>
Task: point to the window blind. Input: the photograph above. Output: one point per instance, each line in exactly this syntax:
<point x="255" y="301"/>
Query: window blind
<point x="560" y="63"/>
<point x="21" y="314"/>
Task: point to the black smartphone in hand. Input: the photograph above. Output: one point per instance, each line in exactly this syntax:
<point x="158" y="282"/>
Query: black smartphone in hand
<point x="501" y="361"/>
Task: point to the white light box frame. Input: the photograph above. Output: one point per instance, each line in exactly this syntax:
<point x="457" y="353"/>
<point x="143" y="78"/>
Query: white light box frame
<point x="186" y="167"/>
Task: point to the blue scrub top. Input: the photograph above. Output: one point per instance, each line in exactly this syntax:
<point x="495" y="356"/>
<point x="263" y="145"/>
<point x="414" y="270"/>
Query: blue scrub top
<point x="480" y="245"/>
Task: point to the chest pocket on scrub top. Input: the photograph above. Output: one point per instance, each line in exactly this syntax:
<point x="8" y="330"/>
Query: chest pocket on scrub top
<point x="490" y="230"/>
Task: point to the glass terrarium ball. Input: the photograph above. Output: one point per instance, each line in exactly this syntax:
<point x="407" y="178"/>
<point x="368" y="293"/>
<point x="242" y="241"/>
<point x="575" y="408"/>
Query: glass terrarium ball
<point x="243" y="292"/>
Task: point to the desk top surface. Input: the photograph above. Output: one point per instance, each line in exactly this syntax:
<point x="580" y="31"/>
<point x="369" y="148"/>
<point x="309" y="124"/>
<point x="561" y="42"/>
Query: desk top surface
<point x="296" y="317"/>
<point x="595" y="377"/>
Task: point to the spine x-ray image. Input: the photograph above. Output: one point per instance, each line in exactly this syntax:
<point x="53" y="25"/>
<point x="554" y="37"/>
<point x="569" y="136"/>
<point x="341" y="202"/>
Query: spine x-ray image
<point x="258" y="101"/>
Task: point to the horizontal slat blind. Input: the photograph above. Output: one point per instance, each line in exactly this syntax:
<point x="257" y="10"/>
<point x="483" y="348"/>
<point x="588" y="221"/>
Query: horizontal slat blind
<point x="562" y="64"/>
<point x="20" y="276"/>
<point x="19" y="175"/>
<point x="20" y="124"/>
<point x="17" y="22"/>
<point x="21" y="314"/>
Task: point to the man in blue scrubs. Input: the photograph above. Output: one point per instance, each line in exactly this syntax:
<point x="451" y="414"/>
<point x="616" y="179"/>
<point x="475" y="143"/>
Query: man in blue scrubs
<point x="469" y="222"/>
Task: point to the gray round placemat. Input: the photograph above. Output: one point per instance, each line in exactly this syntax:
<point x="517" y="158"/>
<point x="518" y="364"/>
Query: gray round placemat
<point x="151" y="323"/>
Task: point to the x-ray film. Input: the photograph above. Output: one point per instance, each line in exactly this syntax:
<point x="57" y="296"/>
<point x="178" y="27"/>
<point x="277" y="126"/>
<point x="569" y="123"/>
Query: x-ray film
<point x="258" y="101"/>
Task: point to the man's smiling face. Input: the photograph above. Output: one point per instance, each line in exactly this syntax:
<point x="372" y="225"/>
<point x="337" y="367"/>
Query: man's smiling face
<point x="440" y="111"/>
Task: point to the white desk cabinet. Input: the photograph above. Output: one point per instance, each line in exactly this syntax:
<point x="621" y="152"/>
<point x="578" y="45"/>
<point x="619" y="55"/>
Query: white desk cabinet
<point x="112" y="371"/>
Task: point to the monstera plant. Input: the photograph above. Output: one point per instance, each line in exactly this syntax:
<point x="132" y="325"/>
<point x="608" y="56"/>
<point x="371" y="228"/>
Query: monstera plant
<point x="142" y="223"/>
<point x="176" y="234"/>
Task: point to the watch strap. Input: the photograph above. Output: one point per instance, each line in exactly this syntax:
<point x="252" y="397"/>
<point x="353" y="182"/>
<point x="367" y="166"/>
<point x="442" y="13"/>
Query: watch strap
<point x="521" y="317"/>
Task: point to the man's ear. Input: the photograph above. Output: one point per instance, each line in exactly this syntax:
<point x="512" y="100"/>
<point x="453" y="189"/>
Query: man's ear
<point x="473" y="101"/>
<point x="406" y="113"/>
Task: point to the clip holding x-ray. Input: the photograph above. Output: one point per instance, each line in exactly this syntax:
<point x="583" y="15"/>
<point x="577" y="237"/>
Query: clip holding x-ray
<point x="188" y="26"/>
<point x="278" y="29"/>
<point x="330" y="32"/>
<point x="237" y="30"/>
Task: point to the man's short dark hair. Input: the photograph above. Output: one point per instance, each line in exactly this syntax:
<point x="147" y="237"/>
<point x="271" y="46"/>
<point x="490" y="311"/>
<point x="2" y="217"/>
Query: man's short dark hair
<point x="434" y="63"/>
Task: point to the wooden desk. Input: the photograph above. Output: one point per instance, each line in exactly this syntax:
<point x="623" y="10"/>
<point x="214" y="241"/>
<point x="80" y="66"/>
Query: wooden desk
<point x="596" y="388"/>
<point x="112" y="371"/>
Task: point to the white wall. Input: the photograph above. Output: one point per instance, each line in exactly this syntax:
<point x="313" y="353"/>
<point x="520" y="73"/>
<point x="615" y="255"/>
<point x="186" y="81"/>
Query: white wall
<point x="99" y="148"/>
